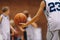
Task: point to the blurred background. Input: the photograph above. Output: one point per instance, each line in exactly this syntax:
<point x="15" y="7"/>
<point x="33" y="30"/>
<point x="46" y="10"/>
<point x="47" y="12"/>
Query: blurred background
<point x="20" y="5"/>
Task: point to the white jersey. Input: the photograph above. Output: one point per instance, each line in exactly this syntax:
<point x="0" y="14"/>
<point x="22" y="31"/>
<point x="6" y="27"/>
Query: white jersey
<point x="53" y="9"/>
<point x="32" y="33"/>
<point x="5" y="26"/>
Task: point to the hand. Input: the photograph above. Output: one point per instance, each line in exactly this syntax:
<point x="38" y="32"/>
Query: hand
<point x="23" y="25"/>
<point x="22" y="29"/>
<point x="16" y="32"/>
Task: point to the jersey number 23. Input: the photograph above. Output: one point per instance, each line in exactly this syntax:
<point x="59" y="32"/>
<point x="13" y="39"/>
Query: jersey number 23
<point x="54" y="6"/>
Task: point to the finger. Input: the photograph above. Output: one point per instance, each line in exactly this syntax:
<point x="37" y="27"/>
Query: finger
<point x="21" y="23"/>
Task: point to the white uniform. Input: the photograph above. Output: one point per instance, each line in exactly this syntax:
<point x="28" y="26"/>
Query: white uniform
<point x="5" y="27"/>
<point x="30" y="31"/>
<point x="37" y="34"/>
<point x="1" y="38"/>
<point x="53" y="12"/>
<point x="33" y="33"/>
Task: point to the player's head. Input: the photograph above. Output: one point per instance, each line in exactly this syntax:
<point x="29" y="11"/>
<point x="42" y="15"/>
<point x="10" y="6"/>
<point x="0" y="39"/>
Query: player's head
<point x="6" y="10"/>
<point x="26" y="13"/>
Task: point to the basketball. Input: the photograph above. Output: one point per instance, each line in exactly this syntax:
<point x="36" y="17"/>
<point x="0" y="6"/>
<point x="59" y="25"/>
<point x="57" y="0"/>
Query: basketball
<point x="20" y="18"/>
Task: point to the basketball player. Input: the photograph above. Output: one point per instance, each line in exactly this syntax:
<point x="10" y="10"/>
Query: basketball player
<point x="5" y="24"/>
<point x="30" y="28"/>
<point x="53" y="12"/>
<point x="33" y="32"/>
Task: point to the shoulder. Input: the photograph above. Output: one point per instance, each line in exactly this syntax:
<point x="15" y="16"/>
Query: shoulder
<point x="1" y="16"/>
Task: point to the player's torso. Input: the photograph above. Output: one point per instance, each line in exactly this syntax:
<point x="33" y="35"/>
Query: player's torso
<point x="53" y="9"/>
<point x="5" y="24"/>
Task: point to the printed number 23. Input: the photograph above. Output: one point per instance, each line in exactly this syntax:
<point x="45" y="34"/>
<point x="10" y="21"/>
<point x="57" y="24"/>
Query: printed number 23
<point x="53" y="8"/>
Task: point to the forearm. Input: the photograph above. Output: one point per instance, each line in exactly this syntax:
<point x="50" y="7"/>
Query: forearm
<point x="22" y="37"/>
<point x="35" y="18"/>
<point x="12" y="29"/>
<point x="34" y="25"/>
<point x="39" y="13"/>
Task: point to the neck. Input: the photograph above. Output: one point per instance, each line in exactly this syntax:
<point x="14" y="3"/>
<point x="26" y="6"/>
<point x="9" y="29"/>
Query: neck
<point x="5" y="14"/>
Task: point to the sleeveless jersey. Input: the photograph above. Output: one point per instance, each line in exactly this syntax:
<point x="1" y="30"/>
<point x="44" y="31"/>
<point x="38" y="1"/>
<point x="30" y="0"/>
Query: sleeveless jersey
<point x="5" y="26"/>
<point x="53" y="12"/>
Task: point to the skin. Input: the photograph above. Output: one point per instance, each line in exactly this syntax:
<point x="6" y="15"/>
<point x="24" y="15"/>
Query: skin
<point x="43" y="22"/>
<point x="20" y="32"/>
<point x="26" y="12"/>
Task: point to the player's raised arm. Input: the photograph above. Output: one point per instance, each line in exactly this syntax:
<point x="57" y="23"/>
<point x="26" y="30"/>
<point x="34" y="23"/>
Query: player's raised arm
<point x="39" y="13"/>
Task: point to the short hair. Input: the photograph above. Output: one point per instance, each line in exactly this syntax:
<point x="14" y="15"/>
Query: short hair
<point x="26" y="12"/>
<point x="4" y="9"/>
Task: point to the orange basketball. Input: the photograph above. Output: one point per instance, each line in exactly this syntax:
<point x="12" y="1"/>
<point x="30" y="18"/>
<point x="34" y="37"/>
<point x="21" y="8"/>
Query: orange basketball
<point x="20" y="18"/>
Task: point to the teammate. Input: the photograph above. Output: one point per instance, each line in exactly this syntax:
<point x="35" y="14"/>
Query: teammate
<point x="5" y="24"/>
<point x="53" y="12"/>
<point x="30" y="28"/>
